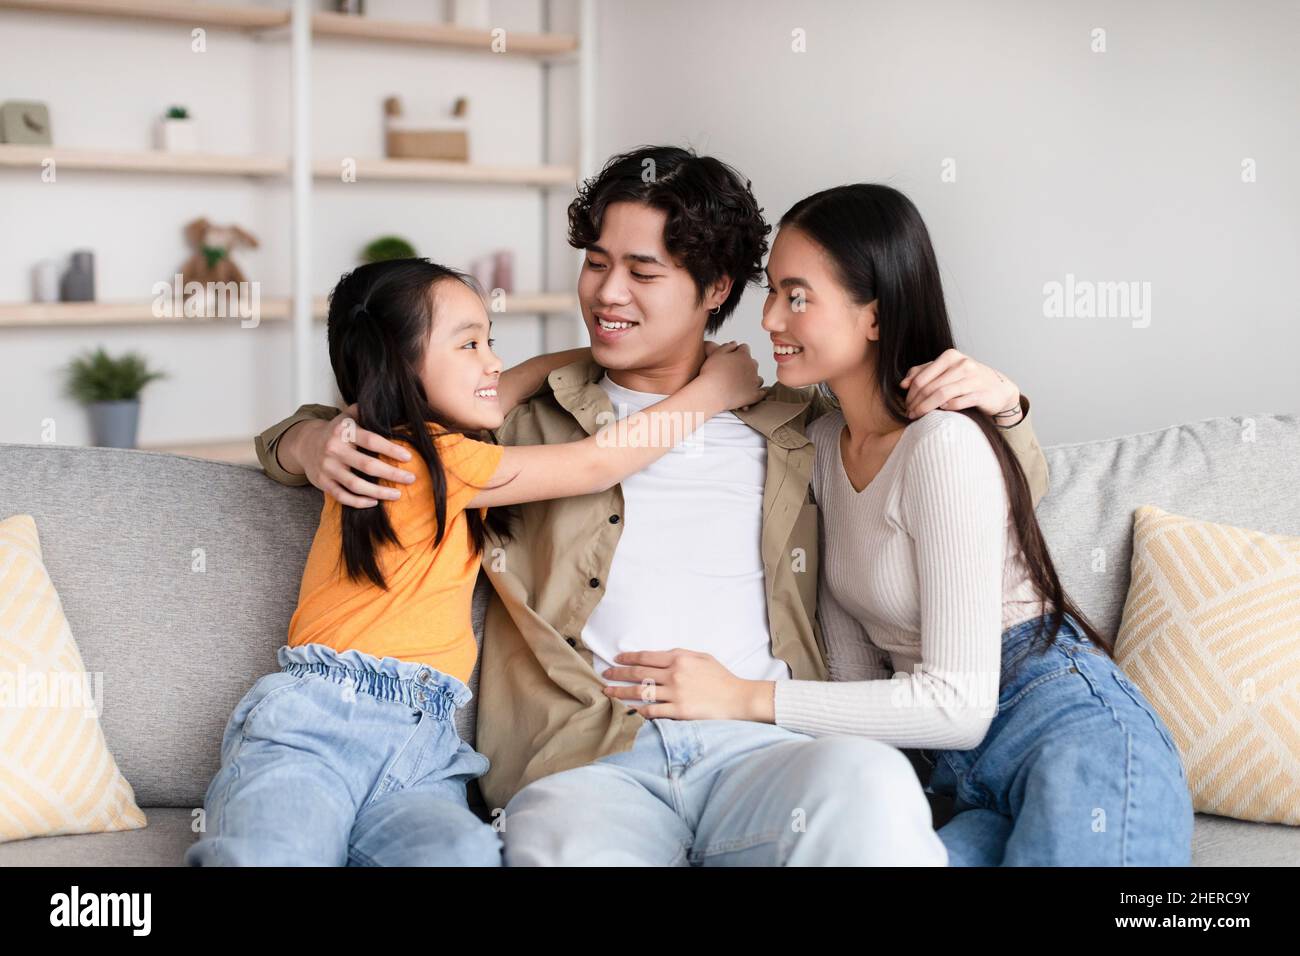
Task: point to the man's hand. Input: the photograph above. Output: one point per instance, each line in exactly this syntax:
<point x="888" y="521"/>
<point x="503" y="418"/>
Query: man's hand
<point x="327" y="452"/>
<point x="955" y="381"/>
<point x="689" y="685"/>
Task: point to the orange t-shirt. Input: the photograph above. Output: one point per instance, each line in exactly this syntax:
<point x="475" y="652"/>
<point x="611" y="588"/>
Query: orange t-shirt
<point x="424" y="615"/>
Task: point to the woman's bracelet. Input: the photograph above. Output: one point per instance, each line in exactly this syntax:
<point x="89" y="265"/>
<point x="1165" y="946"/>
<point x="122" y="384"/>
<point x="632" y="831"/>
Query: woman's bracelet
<point x="1007" y="413"/>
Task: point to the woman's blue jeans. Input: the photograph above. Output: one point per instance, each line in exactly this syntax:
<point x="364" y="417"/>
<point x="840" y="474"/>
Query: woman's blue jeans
<point x="345" y="759"/>
<point x="1077" y="768"/>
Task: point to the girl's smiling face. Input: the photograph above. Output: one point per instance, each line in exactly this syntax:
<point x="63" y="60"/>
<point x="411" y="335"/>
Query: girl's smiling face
<point x="818" y="332"/>
<point x="460" y="370"/>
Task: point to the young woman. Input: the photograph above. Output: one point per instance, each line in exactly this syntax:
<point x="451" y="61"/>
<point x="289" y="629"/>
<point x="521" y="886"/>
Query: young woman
<point x="349" y="753"/>
<point x="934" y="571"/>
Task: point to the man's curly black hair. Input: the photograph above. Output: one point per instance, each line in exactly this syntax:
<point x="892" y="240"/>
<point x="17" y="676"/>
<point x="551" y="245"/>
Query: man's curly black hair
<point x="715" y="226"/>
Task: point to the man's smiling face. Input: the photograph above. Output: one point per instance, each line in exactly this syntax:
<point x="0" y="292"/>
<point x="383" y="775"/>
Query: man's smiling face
<point x="642" y="309"/>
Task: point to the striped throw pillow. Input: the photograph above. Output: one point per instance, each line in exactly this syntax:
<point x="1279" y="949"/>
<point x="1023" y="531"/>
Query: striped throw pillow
<point x="56" y="773"/>
<point x="1211" y="634"/>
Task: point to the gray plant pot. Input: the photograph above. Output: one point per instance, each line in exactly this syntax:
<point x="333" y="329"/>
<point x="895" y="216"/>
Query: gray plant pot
<point x="113" y="424"/>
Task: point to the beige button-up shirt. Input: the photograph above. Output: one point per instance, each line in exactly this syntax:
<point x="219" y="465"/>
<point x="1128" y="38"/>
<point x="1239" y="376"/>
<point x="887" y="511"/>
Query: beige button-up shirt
<point x="541" y="707"/>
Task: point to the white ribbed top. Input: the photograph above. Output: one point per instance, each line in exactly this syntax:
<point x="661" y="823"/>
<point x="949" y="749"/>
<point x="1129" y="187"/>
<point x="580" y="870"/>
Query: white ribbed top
<point x="920" y="575"/>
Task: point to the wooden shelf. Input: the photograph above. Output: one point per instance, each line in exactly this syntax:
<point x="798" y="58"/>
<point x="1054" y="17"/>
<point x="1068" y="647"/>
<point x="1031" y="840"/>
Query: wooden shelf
<point x="74" y="314"/>
<point x="52" y="314"/>
<point x="41" y="314"/>
<point x="539" y="303"/>
<point x="441" y="171"/>
<point x="336" y="26"/>
<point x="141" y="161"/>
<point x="211" y="164"/>
<point x="236" y="451"/>
<point x="445" y="36"/>
<point x="193" y="14"/>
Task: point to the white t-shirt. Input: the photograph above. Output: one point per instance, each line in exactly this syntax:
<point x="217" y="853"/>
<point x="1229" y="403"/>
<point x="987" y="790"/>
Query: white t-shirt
<point x="688" y="569"/>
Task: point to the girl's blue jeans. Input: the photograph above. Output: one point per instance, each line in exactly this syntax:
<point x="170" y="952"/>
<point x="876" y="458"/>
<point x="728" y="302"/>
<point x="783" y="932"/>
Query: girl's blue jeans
<point x="345" y="759"/>
<point x="1077" y="768"/>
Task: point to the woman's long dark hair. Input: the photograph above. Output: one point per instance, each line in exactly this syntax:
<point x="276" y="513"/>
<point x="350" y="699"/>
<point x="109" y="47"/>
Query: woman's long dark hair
<point x="881" y="250"/>
<point x="380" y="318"/>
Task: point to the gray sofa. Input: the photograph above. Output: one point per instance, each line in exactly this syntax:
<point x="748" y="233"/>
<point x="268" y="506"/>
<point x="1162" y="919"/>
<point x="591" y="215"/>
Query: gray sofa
<point x="177" y="647"/>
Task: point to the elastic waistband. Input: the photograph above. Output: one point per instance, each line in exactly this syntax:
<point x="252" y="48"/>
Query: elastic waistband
<point x="407" y="682"/>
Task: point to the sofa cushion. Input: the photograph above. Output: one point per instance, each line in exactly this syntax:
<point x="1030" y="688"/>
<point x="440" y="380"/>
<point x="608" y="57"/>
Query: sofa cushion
<point x="162" y="843"/>
<point x="1211" y="634"/>
<point x="57" y="774"/>
<point x="1221" y="841"/>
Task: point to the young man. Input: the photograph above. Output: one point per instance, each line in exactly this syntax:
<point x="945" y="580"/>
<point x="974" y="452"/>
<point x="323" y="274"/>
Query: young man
<point x="713" y="549"/>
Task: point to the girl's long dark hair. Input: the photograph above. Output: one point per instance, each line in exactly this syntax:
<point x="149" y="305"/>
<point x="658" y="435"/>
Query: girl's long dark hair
<point x="881" y="250"/>
<point x="380" y="317"/>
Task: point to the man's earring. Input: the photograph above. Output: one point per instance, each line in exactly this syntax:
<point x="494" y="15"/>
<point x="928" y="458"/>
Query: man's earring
<point x="715" y="310"/>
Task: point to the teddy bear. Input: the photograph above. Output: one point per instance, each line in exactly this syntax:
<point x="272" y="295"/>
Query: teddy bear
<point x="212" y="245"/>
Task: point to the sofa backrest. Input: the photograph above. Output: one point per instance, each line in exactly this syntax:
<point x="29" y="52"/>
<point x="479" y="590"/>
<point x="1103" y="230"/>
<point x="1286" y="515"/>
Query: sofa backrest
<point x="178" y="577"/>
<point x="1241" y="471"/>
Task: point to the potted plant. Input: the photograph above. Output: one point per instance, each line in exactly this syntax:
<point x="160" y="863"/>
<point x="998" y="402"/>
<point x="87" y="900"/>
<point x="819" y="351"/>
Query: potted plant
<point x="110" y="388"/>
<point x="387" y="247"/>
<point x="178" y="132"/>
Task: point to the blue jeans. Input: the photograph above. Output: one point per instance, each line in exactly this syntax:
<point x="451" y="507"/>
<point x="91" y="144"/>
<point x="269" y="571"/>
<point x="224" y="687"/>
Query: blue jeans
<point x="727" y="793"/>
<point x="343" y="758"/>
<point x="1077" y="768"/>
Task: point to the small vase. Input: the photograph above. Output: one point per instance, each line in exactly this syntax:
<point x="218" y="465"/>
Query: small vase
<point x="472" y="14"/>
<point x="503" y="271"/>
<point x="482" y="270"/>
<point x="78" y="283"/>
<point x="178" y="135"/>
<point x="45" y="281"/>
<point x="113" y="424"/>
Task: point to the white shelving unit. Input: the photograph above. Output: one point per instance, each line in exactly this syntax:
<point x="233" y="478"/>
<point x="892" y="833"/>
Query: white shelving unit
<point x="303" y="26"/>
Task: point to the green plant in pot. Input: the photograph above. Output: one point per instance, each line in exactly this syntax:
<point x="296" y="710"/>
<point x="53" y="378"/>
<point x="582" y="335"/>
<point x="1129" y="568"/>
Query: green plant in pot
<point x="110" y="387"/>
<point x="387" y="247"/>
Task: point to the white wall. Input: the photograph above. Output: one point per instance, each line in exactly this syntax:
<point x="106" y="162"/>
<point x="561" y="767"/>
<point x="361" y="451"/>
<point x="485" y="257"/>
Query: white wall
<point x="1116" y="166"/>
<point x="105" y="80"/>
<point x="1124" y="165"/>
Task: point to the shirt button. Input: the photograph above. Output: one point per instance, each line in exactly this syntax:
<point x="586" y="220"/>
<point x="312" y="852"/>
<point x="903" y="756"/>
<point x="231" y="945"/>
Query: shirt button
<point x="613" y="519"/>
<point x="631" y="711"/>
<point x="594" y="582"/>
<point x="571" y="642"/>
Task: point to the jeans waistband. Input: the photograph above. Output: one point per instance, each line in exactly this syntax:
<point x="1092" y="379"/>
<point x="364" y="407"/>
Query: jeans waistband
<point x="1031" y="634"/>
<point x="1024" y="638"/>
<point x="407" y="682"/>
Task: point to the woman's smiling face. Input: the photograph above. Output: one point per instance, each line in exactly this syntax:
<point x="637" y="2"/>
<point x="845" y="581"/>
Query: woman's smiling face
<point x="818" y="333"/>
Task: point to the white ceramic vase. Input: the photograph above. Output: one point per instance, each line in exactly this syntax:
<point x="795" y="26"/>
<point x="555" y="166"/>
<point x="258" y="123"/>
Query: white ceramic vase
<point x="178" y="135"/>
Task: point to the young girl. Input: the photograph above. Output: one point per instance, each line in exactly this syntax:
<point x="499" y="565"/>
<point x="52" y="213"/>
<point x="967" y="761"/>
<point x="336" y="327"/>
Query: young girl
<point x="349" y="753"/>
<point x="946" y="625"/>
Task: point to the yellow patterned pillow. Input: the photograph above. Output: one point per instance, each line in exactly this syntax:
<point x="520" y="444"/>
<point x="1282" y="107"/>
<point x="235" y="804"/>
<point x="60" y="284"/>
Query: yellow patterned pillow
<point x="1211" y="634"/>
<point x="56" y="772"/>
